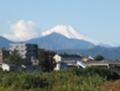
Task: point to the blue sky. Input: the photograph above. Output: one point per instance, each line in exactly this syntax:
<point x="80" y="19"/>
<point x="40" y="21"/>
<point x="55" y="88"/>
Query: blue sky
<point x="97" y="19"/>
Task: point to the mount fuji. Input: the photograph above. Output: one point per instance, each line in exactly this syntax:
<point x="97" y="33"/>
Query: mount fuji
<point x="62" y="37"/>
<point x="67" y="40"/>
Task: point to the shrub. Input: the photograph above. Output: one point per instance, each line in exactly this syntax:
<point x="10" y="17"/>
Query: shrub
<point x="104" y="73"/>
<point x="88" y="79"/>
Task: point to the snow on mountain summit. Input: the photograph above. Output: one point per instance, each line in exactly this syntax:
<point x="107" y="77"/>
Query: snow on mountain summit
<point x="67" y="31"/>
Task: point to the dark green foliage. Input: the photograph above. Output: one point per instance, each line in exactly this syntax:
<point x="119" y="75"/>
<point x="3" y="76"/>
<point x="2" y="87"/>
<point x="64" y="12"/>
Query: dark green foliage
<point x="99" y="58"/>
<point x="34" y="81"/>
<point x="46" y="60"/>
<point x="23" y="80"/>
<point x="14" y="58"/>
<point x="89" y="79"/>
<point x="104" y="73"/>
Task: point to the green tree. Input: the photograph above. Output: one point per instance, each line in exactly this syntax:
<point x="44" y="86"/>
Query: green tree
<point x="46" y="60"/>
<point x="99" y="58"/>
<point x="14" y="58"/>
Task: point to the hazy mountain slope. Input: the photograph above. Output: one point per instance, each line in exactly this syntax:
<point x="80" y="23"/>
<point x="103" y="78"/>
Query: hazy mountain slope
<point x="109" y="53"/>
<point x="4" y="43"/>
<point x="58" y="41"/>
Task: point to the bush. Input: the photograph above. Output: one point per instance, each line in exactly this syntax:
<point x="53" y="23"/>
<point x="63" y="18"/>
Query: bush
<point x="23" y="80"/>
<point x="104" y="73"/>
<point x="99" y="58"/>
<point x="88" y="79"/>
<point x="14" y="58"/>
<point x="31" y="81"/>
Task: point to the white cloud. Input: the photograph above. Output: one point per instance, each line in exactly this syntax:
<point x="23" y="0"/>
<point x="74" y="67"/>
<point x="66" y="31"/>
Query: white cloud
<point x="22" y="30"/>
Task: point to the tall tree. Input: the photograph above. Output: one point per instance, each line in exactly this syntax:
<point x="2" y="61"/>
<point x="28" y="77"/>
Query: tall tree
<point x="14" y="58"/>
<point x="99" y="58"/>
<point x="46" y="60"/>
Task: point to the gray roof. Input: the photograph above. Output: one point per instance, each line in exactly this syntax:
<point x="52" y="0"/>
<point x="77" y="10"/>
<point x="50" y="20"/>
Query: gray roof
<point x="104" y="62"/>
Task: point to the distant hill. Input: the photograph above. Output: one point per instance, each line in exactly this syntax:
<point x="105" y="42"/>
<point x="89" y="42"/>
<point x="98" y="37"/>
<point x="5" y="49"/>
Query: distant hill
<point x="4" y="43"/>
<point x="62" y="44"/>
<point x="67" y="39"/>
<point x="57" y="41"/>
<point x="109" y="53"/>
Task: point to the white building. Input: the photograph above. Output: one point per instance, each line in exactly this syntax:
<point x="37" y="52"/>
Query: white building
<point x="65" y="61"/>
<point x="57" y="59"/>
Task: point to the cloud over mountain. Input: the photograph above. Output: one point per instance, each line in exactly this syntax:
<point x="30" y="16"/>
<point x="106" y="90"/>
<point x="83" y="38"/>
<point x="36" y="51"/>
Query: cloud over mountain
<point x="22" y="30"/>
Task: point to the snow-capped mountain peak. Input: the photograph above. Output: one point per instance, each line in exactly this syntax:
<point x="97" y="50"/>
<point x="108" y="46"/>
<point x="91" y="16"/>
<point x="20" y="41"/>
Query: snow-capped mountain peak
<point x="67" y="31"/>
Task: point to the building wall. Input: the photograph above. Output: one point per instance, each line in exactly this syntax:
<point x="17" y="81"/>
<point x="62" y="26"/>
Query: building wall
<point x="3" y="54"/>
<point x="32" y="51"/>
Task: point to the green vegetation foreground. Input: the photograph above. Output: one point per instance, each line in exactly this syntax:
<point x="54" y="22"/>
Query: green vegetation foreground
<point x="89" y="79"/>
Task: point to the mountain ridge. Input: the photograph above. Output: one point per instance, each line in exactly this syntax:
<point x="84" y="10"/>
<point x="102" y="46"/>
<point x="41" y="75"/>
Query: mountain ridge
<point x="109" y="53"/>
<point x="55" y="39"/>
<point x="4" y="42"/>
<point x="58" y="41"/>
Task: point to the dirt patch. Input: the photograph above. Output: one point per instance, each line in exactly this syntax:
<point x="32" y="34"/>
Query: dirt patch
<point x="111" y="86"/>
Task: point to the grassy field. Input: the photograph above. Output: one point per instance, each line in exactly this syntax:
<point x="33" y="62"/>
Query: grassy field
<point x="66" y="80"/>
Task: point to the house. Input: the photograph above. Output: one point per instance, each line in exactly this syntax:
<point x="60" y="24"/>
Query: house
<point x="71" y="60"/>
<point x="35" y="62"/>
<point x="5" y="67"/>
<point x="104" y="63"/>
<point x="81" y="64"/>
<point x="87" y="59"/>
<point x="64" y="61"/>
<point x="26" y="51"/>
<point x="58" y="60"/>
